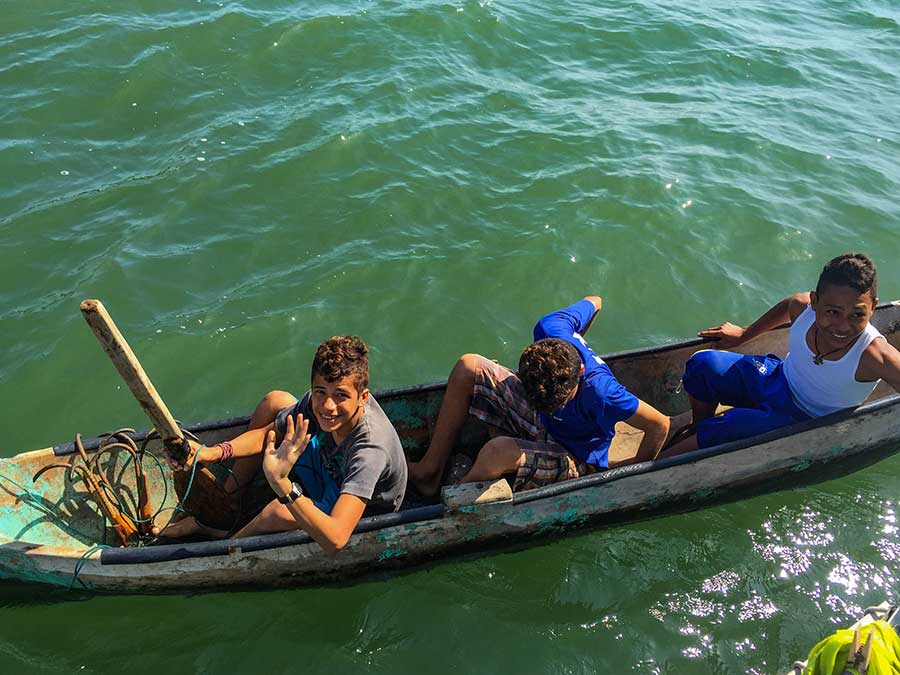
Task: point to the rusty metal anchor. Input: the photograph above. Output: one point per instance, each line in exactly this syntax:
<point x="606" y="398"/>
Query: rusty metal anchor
<point x="124" y="525"/>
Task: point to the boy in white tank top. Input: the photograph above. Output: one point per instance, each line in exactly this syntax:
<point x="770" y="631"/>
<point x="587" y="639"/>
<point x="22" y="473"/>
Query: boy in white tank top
<point x="836" y="359"/>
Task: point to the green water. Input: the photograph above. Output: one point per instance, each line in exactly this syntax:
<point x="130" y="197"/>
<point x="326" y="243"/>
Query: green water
<point x="238" y="181"/>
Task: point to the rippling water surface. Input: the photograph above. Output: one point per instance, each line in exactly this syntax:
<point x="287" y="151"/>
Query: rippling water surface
<point x="238" y="181"/>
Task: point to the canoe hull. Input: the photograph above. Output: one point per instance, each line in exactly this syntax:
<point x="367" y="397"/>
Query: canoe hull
<point x="806" y="457"/>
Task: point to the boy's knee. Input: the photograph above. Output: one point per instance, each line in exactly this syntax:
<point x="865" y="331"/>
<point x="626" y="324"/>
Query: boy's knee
<point x="275" y="401"/>
<point x="700" y="360"/>
<point x="502" y="449"/>
<point x="695" y="373"/>
<point x="465" y="367"/>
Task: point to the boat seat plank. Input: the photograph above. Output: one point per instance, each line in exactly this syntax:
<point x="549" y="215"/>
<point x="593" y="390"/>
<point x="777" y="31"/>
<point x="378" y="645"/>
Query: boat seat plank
<point x="625" y="444"/>
<point x="483" y="492"/>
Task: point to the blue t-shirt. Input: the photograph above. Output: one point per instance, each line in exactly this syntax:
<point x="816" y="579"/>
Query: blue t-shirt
<point x="586" y="425"/>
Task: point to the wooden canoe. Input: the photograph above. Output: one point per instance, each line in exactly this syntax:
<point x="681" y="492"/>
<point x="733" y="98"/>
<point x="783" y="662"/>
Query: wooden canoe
<point x="51" y="534"/>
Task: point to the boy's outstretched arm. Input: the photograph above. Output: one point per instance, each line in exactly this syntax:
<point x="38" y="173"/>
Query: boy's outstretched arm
<point x="576" y="318"/>
<point x="655" y="426"/>
<point x="597" y="301"/>
<point x="248" y="443"/>
<point x="731" y="335"/>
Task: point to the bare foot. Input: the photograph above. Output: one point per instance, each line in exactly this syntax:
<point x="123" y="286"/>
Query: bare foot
<point x="188" y="526"/>
<point x="426" y="481"/>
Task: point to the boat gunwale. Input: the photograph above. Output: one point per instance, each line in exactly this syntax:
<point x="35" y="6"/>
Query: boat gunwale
<point x="262" y="542"/>
<point x="171" y="552"/>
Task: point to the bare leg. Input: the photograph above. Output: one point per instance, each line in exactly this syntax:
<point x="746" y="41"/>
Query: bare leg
<point x="685" y="445"/>
<point x="498" y="457"/>
<point x="685" y="438"/>
<point x="246" y="468"/>
<point x="275" y="517"/>
<point x="270" y="405"/>
<point x="701" y="410"/>
<point x="189" y="526"/>
<point x="426" y="474"/>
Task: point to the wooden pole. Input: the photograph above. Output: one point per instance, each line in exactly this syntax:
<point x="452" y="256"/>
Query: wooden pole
<point x="205" y="497"/>
<point x="130" y="369"/>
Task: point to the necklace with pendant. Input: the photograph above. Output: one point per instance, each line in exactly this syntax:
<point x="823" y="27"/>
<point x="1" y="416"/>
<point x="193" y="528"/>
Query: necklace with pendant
<point x="819" y="357"/>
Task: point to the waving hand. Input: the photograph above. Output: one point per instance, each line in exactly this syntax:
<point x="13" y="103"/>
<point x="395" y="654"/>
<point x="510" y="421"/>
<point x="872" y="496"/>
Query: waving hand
<point x="277" y="462"/>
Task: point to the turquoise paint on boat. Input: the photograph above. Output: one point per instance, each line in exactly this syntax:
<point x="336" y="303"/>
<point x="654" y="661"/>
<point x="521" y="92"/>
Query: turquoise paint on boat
<point x="389" y="553"/>
<point x="801" y="466"/>
<point x="571" y="517"/>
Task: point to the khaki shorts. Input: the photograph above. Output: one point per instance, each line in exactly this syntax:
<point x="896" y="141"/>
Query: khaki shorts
<point x="499" y="400"/>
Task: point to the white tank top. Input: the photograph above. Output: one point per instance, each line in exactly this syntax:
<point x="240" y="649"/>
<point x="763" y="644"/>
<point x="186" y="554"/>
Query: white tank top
<point x="831" y="386"/>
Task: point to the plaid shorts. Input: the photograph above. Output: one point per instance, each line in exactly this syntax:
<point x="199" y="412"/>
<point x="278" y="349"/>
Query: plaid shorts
<point x="547" y="463"/>
<point x="499" y="400"/>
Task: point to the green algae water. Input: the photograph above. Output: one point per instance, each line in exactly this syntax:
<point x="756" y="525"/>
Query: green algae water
<point x="238" y="181"/>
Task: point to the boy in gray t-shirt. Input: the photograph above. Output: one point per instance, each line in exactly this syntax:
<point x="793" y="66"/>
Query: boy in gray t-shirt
<point x="338" y="456"/>
<point x="369" y="463"/>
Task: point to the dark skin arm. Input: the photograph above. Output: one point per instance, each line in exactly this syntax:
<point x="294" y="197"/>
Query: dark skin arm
<point x="646" y="418"/>
<point x="728" y="335"/>
<point x="880" y="361"/>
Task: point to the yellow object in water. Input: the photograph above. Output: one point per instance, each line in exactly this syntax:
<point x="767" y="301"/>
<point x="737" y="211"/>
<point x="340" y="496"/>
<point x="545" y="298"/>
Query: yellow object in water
<point x="832" y="656"/>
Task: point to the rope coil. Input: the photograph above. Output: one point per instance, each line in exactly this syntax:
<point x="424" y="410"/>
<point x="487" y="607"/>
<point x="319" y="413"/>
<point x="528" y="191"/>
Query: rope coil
<point x="128" y="512"/>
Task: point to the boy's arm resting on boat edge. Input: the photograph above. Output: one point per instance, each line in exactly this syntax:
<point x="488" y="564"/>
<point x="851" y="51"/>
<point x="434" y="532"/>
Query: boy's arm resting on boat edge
<point x="729" y="335"/>
<point x="248" y="443"/>
<point x="655" y="426"/>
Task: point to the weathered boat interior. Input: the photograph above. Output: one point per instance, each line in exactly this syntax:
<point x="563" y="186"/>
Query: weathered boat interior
<point x="54" y="510"/>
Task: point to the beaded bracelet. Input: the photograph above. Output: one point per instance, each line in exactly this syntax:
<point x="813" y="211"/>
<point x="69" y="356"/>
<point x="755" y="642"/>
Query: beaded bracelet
<point x="227" y="451"/>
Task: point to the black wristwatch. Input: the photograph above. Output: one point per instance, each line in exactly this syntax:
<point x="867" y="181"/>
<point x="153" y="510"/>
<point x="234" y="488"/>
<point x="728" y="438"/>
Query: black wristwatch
<point x="292" y="496"/>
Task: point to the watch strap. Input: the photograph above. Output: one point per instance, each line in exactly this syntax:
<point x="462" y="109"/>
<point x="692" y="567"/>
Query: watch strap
<point x="292" y="496"/>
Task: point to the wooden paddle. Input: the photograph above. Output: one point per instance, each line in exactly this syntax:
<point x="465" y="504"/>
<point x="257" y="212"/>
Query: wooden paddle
<point x="125" y="361"/>
<point x="130" y="369"/>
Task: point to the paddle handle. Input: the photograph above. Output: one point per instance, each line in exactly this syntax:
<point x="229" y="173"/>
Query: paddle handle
<point x="130" y="369"/>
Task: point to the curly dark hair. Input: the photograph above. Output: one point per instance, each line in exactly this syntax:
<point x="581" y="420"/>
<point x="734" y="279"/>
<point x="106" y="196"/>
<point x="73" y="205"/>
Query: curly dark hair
<point x="855" y="270"/>
<point x="340" y="356"/>
<point x="549" y="370"/>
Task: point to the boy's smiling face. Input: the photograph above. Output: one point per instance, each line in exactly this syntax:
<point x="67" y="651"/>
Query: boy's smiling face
<point x="337" y="405"/>
<point x="842" y="313"/>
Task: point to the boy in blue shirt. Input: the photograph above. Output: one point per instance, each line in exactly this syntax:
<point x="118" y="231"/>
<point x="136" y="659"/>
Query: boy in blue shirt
<point x="556" y="417"/>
